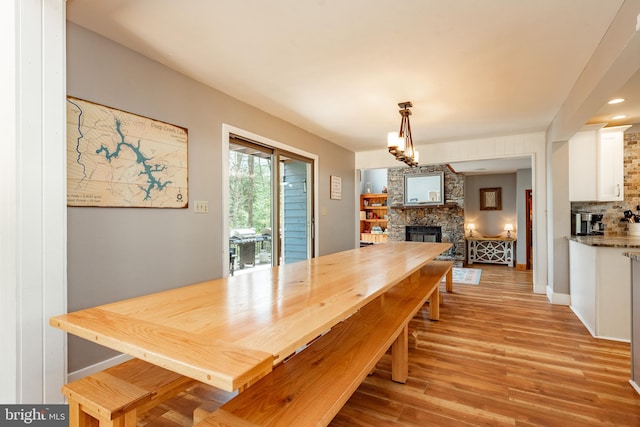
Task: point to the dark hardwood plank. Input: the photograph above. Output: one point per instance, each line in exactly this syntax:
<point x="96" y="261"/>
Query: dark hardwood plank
<point x="499" y="356"/>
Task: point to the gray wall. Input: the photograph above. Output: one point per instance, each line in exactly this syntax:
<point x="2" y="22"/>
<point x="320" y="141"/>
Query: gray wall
<point x="559" y="222"/>
<point x="490" y="223"/>
<point x="377" y="178"/>
<point x="116" y="253"/>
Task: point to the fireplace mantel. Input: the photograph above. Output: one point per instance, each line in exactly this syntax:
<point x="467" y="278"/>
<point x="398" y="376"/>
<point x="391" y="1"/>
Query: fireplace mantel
<point x="444" y="205"/>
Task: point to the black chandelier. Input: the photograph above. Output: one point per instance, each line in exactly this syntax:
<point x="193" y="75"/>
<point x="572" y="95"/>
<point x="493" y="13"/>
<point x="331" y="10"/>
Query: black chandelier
<point x="400" y="144"/>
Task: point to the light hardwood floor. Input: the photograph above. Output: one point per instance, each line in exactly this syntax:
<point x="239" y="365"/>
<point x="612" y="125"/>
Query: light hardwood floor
<point x="498" y="356"/>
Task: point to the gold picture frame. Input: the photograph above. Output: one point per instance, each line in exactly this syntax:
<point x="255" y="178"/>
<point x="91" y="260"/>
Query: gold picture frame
<point x="491" y="199"/>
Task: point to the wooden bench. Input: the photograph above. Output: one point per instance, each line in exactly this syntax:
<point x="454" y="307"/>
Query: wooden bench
<point x="113" y="397"/>
<point x="310" y="388"/>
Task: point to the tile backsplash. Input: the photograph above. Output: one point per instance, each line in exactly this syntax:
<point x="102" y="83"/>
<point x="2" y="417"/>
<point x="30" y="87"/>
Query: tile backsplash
<point x="612" y="211"/>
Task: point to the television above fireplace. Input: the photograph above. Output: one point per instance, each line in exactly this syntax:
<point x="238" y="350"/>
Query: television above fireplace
<point x="424" y="189"/>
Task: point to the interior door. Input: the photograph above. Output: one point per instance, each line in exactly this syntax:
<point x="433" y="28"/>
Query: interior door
<point x="529" y="227"/>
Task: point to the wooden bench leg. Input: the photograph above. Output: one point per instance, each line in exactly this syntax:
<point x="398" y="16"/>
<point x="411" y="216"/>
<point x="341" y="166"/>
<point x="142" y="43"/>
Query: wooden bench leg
<point x="413" y="340"/>
<point x="434" y="304"/>
<point x="449" y="279"/>
<point x="400" y="357"/>
<point x="128" y="419"/>
<point x="79" y="418"/>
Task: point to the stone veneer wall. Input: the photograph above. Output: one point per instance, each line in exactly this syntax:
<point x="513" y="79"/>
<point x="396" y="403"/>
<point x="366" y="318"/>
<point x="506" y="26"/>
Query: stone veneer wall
<point x="449" y="216"/>
<point x="612" y="211"/>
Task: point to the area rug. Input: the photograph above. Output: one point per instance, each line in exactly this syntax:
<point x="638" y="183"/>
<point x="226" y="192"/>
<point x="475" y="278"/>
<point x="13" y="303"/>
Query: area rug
<point x="466" y="276"/>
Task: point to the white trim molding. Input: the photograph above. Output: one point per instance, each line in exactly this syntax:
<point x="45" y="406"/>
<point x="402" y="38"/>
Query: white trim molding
<point x="558" y="299"/>
<point x="98" y="367"/>
<point x="33" y="214"/>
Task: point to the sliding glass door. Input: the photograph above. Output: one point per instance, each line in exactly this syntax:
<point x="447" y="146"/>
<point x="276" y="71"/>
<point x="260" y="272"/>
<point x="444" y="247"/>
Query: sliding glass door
<point x="295" y="219"/>
<point x="251" y="204"/>
<point x="270" y="208"/>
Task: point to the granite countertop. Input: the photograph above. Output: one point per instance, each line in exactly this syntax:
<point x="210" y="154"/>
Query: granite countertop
<point x="609" y="241"/>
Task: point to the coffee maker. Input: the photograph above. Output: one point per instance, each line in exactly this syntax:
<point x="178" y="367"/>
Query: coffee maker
<point x="597" y="226"/>
<point x="586" y="224"/>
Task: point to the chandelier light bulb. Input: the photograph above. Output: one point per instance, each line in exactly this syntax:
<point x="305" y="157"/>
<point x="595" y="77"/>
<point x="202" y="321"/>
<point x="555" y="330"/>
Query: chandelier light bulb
<point x="401" y="144"/>
<point x="392" y="140"/>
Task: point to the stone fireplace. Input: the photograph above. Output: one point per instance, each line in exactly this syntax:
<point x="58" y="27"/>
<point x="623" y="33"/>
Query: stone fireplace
<point x="424" y="223"/>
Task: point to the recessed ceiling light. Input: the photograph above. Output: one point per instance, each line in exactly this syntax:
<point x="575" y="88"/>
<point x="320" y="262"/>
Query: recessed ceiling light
<point x="618" y="117"/>
<point x="616" y="101"/>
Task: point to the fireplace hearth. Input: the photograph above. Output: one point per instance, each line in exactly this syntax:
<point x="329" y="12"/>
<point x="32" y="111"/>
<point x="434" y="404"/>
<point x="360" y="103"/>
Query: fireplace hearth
<point x="422" y="233"/>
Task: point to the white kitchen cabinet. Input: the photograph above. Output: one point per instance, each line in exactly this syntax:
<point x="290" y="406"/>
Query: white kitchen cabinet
<point x="582" y="165"/>
<point x="596" y="164"/>
<point x="600" y="288"/>
<point x="611" y="164"/>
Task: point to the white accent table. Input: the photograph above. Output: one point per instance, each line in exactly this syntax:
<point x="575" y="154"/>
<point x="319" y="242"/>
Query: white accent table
<point x="493" y="250"/>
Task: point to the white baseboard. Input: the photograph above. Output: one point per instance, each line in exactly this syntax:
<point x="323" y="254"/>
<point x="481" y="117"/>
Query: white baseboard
<point x="635" y="386"/>
<point x="613" y="339"/>
<point x="558" y="299"/>
<point x="101" y="366"/>
<point x="593" y="333"/>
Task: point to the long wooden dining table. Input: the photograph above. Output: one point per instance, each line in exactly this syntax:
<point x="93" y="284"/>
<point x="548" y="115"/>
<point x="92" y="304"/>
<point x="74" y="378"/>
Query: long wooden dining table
<point x="228" y="332"/>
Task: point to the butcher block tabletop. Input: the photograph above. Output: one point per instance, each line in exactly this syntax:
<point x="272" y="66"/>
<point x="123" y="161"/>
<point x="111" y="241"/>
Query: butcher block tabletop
<point x="229" y="332"/>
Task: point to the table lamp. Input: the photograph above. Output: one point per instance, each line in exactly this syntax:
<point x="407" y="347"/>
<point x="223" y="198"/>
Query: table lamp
<point x="471" y="226"/>
<point x="508" y="228"/>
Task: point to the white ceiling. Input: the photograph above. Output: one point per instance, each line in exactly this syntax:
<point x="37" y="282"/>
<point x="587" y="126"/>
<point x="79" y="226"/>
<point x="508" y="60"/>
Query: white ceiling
<point x="338" y="68"/>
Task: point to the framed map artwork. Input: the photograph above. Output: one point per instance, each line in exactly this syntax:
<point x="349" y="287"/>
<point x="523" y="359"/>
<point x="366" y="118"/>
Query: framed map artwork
<point x="120" y="159"/>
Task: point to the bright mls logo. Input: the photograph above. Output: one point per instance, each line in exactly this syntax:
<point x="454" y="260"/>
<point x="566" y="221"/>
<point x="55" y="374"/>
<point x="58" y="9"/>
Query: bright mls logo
<point x="36" y="415"/>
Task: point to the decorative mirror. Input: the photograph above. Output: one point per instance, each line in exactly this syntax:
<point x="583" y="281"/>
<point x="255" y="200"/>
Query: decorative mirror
<point x="424" y="189"/>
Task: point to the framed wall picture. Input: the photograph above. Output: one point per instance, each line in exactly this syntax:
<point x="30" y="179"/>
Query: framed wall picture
<point x="491" y="199"/>
<point x="336" y="188"/>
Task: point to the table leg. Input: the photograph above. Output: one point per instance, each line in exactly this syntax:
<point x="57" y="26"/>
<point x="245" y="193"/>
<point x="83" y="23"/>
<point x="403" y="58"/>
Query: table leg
<point x="449" y="280"/>
<point x="400" y="357"/>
